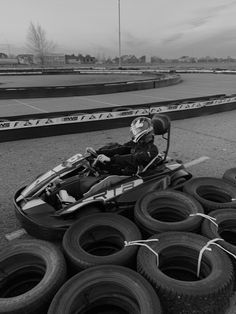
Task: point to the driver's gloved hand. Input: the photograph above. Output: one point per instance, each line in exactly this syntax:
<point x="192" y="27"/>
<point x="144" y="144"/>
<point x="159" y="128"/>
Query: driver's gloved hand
<point x="103" y="158"/>
<point x="90" y="150"/>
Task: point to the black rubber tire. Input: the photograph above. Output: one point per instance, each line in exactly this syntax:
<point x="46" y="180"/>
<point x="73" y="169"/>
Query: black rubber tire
<point x="226" y="220"/>
<point x="230" y="176"/>
<point x="167" y="211"/>
<point x="212" y="193"/>
<point x="175" y="279"/>
<point x="106" y="289"/>
<point x="32" y="271"/>
<point x="99" y="239"/>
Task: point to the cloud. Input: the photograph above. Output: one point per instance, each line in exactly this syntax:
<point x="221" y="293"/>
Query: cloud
<point x="172" y="38"/>
<point x="199" y="21"/>
<point x="204" y="16"/>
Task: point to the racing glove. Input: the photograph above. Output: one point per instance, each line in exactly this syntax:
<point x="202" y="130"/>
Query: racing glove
<point x="91" y="151"/>
<point x="103" y="158"/>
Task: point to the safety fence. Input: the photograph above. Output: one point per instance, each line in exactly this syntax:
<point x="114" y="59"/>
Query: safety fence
<point x="58" y="123"/>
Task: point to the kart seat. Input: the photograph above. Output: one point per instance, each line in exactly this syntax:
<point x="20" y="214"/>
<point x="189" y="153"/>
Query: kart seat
<point x="76" y="186"/>
<point x="161" y="124"/>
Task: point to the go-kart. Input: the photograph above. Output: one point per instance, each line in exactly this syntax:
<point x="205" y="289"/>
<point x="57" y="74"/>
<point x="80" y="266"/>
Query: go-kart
<point x="45" y="215"/>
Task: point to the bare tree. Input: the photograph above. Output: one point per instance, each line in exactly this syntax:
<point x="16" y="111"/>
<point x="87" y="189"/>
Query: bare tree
<point x="38" y="43"/>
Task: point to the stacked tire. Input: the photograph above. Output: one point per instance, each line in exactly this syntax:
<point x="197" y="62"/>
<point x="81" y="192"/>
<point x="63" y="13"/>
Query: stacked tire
<point x="32" y="271"/>
<point x="169" y="258"/>
<point x="175" y="278"/>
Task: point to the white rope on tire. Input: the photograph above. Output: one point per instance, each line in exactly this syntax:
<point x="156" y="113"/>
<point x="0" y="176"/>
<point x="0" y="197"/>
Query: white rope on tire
<point x="212" y="219"/>
<point x="203" y="249"/>
<point x="143" y="243"/>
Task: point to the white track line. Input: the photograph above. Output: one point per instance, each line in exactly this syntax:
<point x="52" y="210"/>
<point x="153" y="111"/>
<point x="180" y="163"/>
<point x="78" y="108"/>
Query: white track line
<point x="25" y="104"/>
<point x="153" y="97"/>
<point x="196" y="161"/>
<point x="15" y="234"/>
<point x="99" y="101"/>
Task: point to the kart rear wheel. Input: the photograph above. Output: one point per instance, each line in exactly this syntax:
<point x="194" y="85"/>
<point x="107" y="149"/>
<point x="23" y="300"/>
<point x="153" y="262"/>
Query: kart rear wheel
<point x="106" y="289"/>
<point x="212" y="193"/>
<point x="167" y="211"/>
<point x="99" y="239"/>
<point x="32" y="271"/>
<point x="175" y="277"/>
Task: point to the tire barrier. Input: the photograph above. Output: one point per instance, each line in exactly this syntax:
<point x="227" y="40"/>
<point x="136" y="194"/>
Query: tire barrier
<point x="224" y="228"/>
<point x="58" y="123"/>
<point x="32" y="271"/>
<point x="230" y="175"/>
<point x="98" y="239"/>
<point x="212" y="193"/>
<point x="106" y="289"/>
<point x="156" y="81"/>
<point x="176" y="280"/>
<point x="162" y="211"/>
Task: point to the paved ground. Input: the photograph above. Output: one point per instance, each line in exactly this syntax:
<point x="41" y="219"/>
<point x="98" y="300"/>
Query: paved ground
<point x="193" y="85"/>
<point x="212" y="136"/>
<point x="12" y="81"/>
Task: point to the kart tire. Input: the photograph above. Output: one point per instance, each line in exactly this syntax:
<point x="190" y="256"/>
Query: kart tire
<point x="226" y="221"/>
<point x="99" y="239"/>
<point x="212" y="193"/>
<point x="106" y="289"/>
<point x="230" y="176"/>
<point x="175" y="279"/>
<point x="32" y="271"/>
<point x="167" y="211"/>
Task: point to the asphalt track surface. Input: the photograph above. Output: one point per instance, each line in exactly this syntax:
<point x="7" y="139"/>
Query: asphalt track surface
<point x="208" y="141"/>
<point x="11" y="81"/>
<point x="193" y="85"/>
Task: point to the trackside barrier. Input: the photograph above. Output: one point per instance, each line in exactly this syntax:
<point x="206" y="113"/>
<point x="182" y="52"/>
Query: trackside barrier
<point x="89" y="89"/>
<point x="42" y="125"/>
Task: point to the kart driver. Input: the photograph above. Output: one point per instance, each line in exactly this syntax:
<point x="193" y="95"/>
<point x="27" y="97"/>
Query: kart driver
<point x="124" y="160"/>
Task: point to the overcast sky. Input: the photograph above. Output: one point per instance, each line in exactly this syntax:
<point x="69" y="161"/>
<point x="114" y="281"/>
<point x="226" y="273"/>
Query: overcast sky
<point x="165" y="28"/>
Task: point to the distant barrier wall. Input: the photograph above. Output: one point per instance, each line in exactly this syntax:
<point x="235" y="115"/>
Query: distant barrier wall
<point x="90" y="89"/>
<point x="58" y="123"/>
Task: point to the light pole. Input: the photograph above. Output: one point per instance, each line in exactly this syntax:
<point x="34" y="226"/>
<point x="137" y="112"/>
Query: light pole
<point x="119" y="34"/>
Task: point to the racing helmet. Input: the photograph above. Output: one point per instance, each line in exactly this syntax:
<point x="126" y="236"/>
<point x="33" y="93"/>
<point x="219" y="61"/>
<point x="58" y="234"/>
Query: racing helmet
<point x="139" y="127"/>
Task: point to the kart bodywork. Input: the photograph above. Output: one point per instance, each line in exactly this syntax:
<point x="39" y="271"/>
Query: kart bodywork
<point x="43" y="214"/>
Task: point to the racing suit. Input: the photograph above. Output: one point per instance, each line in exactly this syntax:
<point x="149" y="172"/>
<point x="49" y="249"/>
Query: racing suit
<point x="125" y="160"/>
